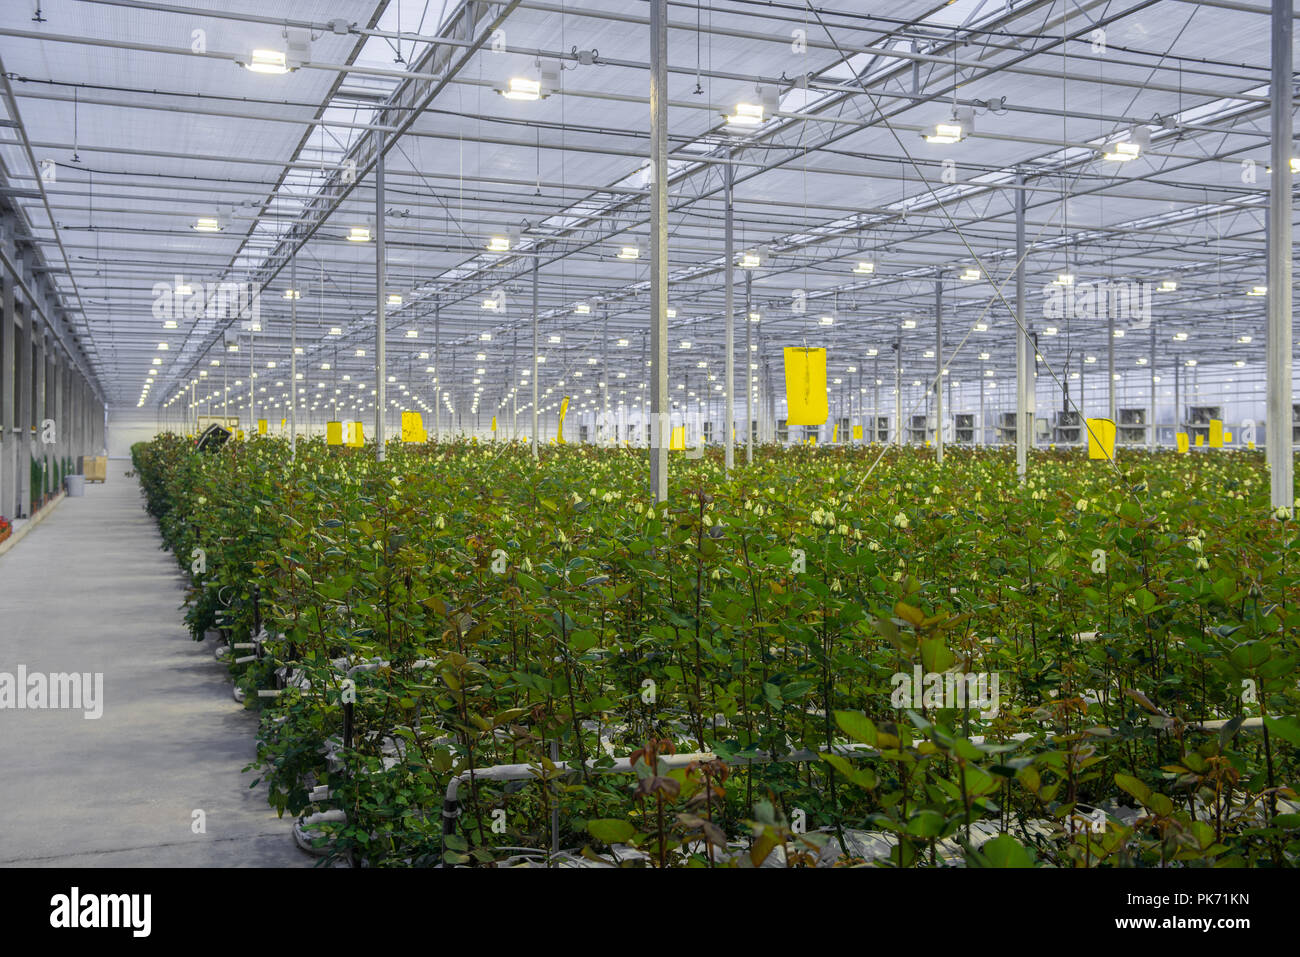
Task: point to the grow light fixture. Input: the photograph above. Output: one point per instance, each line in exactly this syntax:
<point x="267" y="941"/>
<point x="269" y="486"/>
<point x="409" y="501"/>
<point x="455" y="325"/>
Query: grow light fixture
<point x="1243" y="339"/>
<point x="1119" y="333"/>
<point x="685" y="344"/>
<point x="1180" y="337"/>
<point x="270" y="62"/>
<point x="412" y="333"/>
<point x="582" y="308"/>
<point x="485" y="337"/>
<point x="1190" y="362"/>
<point x="394" y="299"/>
<point x="865" y="267"/>
<point x="1129" y="148"/>
<point x="336" y="331"/>
<point x="163" y="347"/>
<point x="491" y="304"/>
<point x="672" y="313"/>
<point x="1064" y="279"/>
<point x="622" y="343"/>
<point x="499" y="244"/>
<point x="750" y="259"/>
<point x="206" y="224"/>
<point x="527" y="87"/>
<point x="359" y="234"/>
<point x="629" y="252"/>
<point x="169" y="324"/>
<point x="970" y="274"/>
<point x="909" y="324"/>
<point x="1167" y="285"/>
<point x="1050" y="331"/>
<point x="745" y="114"/>
<point x="826" y="321"/>
<point x="292" y="294"/>
<point x="1258" y="291"/>
<point x="755" y="317"/>
<point x="553" y="340"/>
<point x="981" y="327"/>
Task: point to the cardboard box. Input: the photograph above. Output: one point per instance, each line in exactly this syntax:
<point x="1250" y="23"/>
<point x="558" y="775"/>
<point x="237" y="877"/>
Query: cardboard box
<point x="94" y="467"/>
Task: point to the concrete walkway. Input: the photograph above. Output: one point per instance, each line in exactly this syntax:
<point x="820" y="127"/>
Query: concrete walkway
<point x="89" y="590"/>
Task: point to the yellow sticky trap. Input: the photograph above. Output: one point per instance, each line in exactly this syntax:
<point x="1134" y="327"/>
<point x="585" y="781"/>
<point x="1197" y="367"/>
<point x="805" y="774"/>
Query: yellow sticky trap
<point x="1200" y="440"/>
<point x="1227" y="436"/>
<point x="1101" y="439"/>
<point x="356" y="435"/>
<point x="805" y="386"/>
<point x="240" y="435"/>
<point x="261" y="426"/>
<point x="333" y="433"/>
<point x="677" y="441"/>
<point x="283" y="423"/>
<point x="1251" y="446"/>
<point x="1181" y="438"/>
<point x="559" y="430"/>
<point x="1216" y="433"/>
<point x="494" y="423"/>
<point x="413" y="427"/>
<point x="857" y="432"/>
<point x="835" y="433"/>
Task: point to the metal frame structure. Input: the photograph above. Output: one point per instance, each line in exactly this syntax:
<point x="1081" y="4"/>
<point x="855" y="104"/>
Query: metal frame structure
<point x="128" y="121"/>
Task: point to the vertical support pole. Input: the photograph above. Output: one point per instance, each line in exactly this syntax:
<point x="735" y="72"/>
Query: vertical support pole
<point x="536" y="453"/>
<point x="659" y="248"/>
<point x="898" y="391"/>
<point x="381" y="320"/>
<point x="938" y="371"/>
<point x="1178" y="408"/>
<point x="24" y="424"/>
<point x="729" y="454"/>
<point x="1024" y="368"/>
<point x="750" y="392"/>
<point x="9" y="377"/>
<point x="1151" y="419"/>
<point x="1110" y="365"/>
<point x="437" y="372"/>
<point x="293" y="358"/>
<point x="1280" y="469"/>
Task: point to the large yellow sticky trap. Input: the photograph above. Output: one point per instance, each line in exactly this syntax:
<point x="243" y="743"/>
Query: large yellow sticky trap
<point x="677" y="441"/>
<point x="1216" y="433"/>
<point x="356" y="435"/>
<point x="1227" y="437"/>
<point x="559" y="430"/>
<point x="835" y="433"/>
<point x="261" y="426"/>
<point x="413" y="427"/>
<point x="857" y="433"/>
<point x="1181" y="438"/>
<point x="494" y="423"/>
<point x="1101" y="439"/>
<point x="333" y="433"/>
<point x="805" y="386"/>
<point x="1200" y="440"/>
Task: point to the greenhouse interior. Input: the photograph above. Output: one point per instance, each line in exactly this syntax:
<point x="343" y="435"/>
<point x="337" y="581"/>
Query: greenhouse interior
<point x="640" y="434"/>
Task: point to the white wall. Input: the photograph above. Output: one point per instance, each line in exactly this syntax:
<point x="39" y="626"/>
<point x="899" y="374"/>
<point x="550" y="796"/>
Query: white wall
<point x="128" y="426"/>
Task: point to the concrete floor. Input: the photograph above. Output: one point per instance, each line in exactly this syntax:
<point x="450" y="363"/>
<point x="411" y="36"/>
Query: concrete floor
<point x="89" y="590"/>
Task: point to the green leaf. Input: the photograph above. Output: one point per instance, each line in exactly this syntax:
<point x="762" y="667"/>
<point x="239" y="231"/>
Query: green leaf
<point x="611" y="830"/>
<point x="1005" y="851"/>
<point x="857" y="726"/>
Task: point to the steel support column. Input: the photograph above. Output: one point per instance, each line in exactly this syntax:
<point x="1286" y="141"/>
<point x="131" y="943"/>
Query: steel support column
<point x="1281" y="482"/>
<point x="659" y="248"/>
